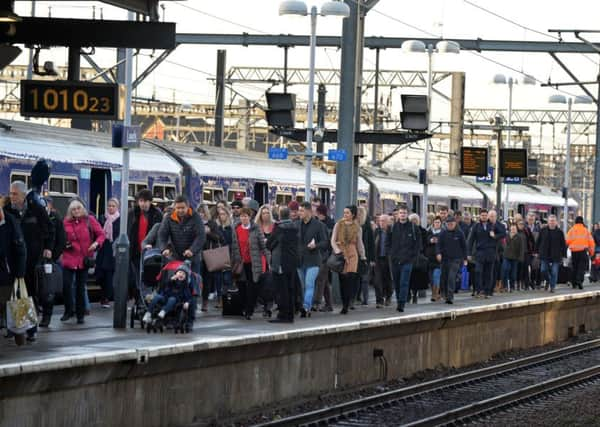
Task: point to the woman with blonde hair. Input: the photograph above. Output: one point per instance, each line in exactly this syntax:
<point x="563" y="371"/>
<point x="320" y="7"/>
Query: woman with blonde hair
<point x="105" y="261"/>
<point x="346" y="239"/>
<point x="84" y="237"/>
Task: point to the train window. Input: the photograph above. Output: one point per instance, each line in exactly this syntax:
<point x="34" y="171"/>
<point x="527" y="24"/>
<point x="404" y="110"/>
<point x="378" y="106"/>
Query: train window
<point x="21" y="177"/>
<point x="299" y="197"/>
<point x="362" y="202"/>
<point x="170" y="193"/>
<point x="212" y="195"/>
<point x="231" y="194"/>
<point x="158" y="192"/>
<point x="218" y="195"/>
<point x="56" y="185"/>
<point x="430" y="208"/>
<point x="283" y="199"/>
<point x="70" y="186"/>
<point x="416" y="204"/>
<point x="135" y="189"/>
<point x="324" y="195"/>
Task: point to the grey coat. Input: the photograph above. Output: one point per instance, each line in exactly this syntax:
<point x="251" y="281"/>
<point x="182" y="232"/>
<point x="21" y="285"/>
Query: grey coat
<point x="257" y="250"/>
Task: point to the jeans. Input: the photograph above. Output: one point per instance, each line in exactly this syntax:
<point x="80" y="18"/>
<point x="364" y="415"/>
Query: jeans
<point x="168" y="304"/>
<point x="308" y="276"/>
<point x="223" y="280"/>
<point x="450" y="270"/>
<point x="401" y="281"/>
<point x="80" y="279"/>
<point x="509" y="272"/>
<point x="436" y="275"/>
<point x="549" y="270"/>
<point x="86" y="298"/>
<point x="484" y="270"/>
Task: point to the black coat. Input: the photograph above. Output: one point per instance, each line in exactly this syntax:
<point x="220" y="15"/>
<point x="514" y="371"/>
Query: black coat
<point x="283" y="244"/>
<point x="404" y="243"/>
<point x="154" y="217"/>
<point x="483" y="246"/>
<point x="105" y="260"/>
<point x="451" y="245"/>
<point x="13" y="252"/>
<point x="368" y="241"/>
<point x="552" y="245"/>
<point x="37" y="230"/>
<point x="430" y="249"/>
<point x="60" y="238"/>
<point x="180" y="236"/>
<point x="316" y="230"/>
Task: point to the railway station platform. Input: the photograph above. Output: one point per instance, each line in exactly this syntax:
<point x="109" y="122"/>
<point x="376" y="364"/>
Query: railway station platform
<point x="94" y="375"/>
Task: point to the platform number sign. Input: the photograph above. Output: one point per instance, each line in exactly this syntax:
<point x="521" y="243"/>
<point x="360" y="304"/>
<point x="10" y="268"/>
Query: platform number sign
<point x="63" y="99"/>
<point x="277" y="153"/>
<point x="337" y="155"/>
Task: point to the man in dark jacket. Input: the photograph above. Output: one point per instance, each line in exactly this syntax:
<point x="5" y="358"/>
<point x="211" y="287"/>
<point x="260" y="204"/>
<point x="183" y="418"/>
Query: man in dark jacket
<point x="482" y="246"/>
<point x="141" y="220"/>
<point x="403" y="244"/>
<point x="312" y="236"/>
<point x="323" y="284"/>
<point x="283" y="244"/>
<point x="383" y="276"/>
<point x="552" y="248"/>
<point x="451" y="251"/>
<point x="38" y="233"/>
<point x="182" y="235"/>
<point x="13" y="254"/>
<point x="58" y="246"/>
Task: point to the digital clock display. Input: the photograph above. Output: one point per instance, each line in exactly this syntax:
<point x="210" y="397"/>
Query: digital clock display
<point x="65" y="99"/>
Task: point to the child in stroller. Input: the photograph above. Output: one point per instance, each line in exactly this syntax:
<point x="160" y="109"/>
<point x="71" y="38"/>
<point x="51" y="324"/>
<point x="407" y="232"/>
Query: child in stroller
<point x="172" y="302"/>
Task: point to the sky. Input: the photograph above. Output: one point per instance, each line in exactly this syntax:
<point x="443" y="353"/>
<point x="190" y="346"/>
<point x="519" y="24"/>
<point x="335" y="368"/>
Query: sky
<point x="186" y="75"/>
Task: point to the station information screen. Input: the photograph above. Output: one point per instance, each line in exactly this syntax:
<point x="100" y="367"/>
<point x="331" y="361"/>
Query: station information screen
<point x="65" y="99"/>
<point x="513" y="163"/>
<point x="474" y="161"/>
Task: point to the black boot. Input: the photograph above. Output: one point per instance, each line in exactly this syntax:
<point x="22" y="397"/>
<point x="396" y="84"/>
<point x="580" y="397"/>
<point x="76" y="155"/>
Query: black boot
<point x="45" y="320"/>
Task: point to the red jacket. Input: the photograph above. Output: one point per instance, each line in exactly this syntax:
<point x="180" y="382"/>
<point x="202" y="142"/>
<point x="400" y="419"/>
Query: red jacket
<point x="79" y="237"/>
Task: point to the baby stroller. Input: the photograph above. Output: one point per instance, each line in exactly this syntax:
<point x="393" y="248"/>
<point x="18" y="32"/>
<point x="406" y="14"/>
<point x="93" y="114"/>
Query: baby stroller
<point x="151" y="263"/>
<point x="180" y="318"/>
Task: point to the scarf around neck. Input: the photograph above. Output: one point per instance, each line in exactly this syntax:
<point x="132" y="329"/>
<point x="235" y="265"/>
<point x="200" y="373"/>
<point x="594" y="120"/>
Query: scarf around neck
<point x="108" y="224"/>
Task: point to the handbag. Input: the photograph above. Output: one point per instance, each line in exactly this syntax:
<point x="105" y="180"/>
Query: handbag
<point x="217" y="259"/>
<point x="464" y="278"/>
<point x="421" y="263"/>
<point x="336" y="262"/>
<point x="21" y="314"/>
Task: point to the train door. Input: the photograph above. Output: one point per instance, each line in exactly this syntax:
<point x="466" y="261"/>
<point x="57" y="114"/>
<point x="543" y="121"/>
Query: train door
<point x="454" y="204"/>
<point x="416" y="204"/>
<point x="100" y="183"/>
<point x="261" y="193"/>
<point x="324" y="195"/>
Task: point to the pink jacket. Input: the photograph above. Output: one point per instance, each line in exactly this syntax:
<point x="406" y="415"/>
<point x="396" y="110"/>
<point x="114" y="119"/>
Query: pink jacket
<point x="79" y="236"/>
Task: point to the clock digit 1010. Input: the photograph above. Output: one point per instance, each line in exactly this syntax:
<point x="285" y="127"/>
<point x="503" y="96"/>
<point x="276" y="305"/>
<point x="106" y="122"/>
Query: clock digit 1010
<point x="64" y="99"/>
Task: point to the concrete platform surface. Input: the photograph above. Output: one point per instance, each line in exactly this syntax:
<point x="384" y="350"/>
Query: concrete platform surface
<point x="65" y="345"/>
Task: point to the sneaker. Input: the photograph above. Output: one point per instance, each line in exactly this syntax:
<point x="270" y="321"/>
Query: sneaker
<point x="147" y="317"/>
<point x="105" y="303"/>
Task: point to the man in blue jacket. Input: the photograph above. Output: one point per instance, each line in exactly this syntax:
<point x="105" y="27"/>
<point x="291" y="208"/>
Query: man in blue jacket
<point x="451" y="251"/>
<point x="482" y="246"/>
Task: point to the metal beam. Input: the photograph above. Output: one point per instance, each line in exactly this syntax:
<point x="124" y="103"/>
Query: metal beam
<point x="144" y="74"/>
<point x="575" y="79"/>
<point x="145" y="7"/>
<point x="89" y="32"/>
<point x="478" y="45"/>
<point x="101" y="72"/>
<point x="484" y="115"/>
<point x="330" y="76"/>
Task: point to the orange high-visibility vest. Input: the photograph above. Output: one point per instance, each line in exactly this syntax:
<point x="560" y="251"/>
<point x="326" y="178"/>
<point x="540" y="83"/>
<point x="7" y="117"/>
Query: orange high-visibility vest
<point x="579" y="239"/>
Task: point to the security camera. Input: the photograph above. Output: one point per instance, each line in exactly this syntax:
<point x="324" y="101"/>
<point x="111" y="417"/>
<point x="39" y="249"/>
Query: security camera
<point x="49" y="69"/>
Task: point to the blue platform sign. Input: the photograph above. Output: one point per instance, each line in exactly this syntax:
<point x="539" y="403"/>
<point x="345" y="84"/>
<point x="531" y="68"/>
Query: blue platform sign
<point x="513" y="180"/>
<point x="277" y="153"/>
<point x="337" y="155"/>
<point x="488" y="179"/>
<point x="126" y="136"/>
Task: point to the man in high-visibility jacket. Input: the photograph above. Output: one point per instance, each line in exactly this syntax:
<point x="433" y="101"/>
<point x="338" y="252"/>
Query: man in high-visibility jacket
<point x="580" y="242"/>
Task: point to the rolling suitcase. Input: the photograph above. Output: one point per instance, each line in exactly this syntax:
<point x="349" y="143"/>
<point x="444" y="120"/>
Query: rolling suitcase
<point x="232" y="303"/>
<point x="49" y="283"/>
<point x="565" y="274"/>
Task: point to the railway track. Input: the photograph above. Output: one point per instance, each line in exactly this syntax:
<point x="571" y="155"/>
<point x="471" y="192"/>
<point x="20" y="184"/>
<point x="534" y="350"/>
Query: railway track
<point x="465" y="397"/>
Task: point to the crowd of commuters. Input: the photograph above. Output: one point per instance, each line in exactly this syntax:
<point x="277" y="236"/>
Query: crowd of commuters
<point x="281" y="257"/>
